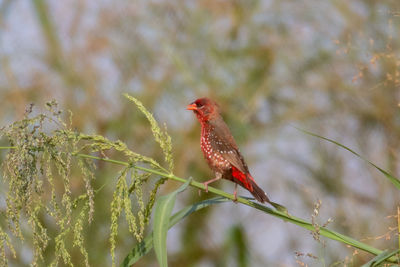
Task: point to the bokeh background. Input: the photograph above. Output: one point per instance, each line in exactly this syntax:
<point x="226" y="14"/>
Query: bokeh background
<point x="332" y="67"/>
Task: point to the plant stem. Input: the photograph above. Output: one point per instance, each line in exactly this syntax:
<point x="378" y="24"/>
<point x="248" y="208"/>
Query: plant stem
<point x="281" y="215"/>
<point x="286" y="217"/>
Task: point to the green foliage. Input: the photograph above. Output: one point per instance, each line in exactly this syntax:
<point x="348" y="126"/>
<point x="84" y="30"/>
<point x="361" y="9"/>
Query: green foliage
<point x="162" y="213"/>
<point x="238" y="243"/>
<point x="30" y="171"/>
<point x="395" y="181"/>
<point x="268" y="63"/>
<point x="380" y="259"/>
<point x="160" y="136"/>
<point x="5" y="242"/>
<point x="37" y="171"/>
<point x="146" y="245"/>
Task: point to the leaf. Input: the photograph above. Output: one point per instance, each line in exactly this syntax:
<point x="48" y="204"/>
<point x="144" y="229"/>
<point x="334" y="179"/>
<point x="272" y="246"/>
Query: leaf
<point x="163" y="209"/>
<point x="237" y="242"/>
<point x="392" y="178"/>
<point x="380" y="258"/>
<point x="147" y="244"/>
<point x="279" y="207"/>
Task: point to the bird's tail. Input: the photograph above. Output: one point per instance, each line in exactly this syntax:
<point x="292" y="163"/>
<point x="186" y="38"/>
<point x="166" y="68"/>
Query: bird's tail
<point x="247" y="181"/>
<point x="257" y="192"/>
<point x="261" y="196"/>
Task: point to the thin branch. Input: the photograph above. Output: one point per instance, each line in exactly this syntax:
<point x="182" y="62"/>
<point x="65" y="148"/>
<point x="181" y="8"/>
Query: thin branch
<point x="281" y="215"/>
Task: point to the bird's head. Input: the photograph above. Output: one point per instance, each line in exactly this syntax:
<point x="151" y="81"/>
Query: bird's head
<point x="204" y="108"/>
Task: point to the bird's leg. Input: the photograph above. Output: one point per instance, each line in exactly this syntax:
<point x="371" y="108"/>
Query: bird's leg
<point x="235" y="194"/>
<point x="217" y="177"/>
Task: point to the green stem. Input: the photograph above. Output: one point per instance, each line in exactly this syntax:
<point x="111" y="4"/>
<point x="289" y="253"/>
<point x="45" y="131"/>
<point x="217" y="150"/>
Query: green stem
<point x="102" y="159"/>
<point x="281" y="215"/>
<point x="286" y="217"/>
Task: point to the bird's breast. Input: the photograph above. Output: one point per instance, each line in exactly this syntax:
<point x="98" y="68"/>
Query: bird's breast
<point x="214" y="158"/>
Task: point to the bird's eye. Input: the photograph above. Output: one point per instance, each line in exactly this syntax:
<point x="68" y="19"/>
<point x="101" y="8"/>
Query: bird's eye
<point x="199" y="105"/>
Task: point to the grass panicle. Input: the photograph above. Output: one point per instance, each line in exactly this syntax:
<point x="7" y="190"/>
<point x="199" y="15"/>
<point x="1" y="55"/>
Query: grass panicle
<point x="98" y="143"/>
<point x="5" y="242"/>
<point x="37" y="171"/>
<point x="79" y="240"/>
<point x="161" y="136"/>
<point x="117" y="205"/>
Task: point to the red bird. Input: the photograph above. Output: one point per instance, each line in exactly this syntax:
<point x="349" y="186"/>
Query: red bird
<point x="220" y="149"/>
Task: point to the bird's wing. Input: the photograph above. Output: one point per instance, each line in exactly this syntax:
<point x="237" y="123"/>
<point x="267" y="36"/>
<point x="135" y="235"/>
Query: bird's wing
<point x="221" y="140"/>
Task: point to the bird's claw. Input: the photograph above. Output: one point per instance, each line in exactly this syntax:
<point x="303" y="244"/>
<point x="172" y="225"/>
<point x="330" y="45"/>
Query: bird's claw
<point x="235" y="199"/>
<point x="206" y="187"/>
<point x="235" y="194"/>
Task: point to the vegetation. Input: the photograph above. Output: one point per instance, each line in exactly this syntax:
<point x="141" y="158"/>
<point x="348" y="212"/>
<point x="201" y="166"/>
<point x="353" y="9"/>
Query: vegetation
<point x="72" y="194"/>
<point x="37" y="159"/>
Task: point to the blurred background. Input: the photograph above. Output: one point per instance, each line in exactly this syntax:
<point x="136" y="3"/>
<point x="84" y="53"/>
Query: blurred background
<point x="332" y="67"/>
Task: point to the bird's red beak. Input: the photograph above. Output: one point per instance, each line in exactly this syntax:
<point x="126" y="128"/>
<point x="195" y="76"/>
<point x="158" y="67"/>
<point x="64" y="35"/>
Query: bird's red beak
<point x="191" y="107"/>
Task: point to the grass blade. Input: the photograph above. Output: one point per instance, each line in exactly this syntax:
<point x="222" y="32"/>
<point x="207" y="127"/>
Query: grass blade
<point x="376" y="261"/>
<point x="147" y="244"/>
<point x="388" y="175"/>
<point x="162" y="213"/>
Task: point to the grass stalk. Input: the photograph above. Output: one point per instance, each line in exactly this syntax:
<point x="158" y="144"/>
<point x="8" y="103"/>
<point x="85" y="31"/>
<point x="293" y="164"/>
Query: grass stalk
<point x="281" y="215"/>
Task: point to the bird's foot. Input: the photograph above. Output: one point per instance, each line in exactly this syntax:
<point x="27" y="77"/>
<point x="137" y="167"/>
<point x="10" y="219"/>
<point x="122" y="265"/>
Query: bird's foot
<point x="217" y="177"/>
<point x="235" y="194"/>
<point x="206" y="187"/>
<point x="235" y="197"/>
